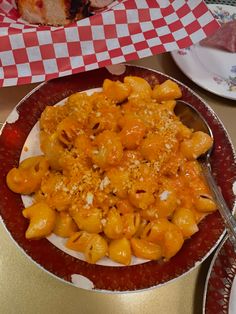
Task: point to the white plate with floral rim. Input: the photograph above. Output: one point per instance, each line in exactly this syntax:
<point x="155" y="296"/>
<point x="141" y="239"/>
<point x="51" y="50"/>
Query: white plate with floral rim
<point x="212" y="69"/>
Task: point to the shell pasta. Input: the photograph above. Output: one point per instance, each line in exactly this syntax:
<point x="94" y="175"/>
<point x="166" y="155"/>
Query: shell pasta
<point x="119" y="174"/>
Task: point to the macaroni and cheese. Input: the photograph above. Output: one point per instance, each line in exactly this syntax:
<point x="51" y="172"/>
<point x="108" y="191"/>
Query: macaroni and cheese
<point x="119" y="174"/>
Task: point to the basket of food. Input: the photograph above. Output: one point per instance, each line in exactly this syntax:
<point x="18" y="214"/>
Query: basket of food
<point x="41" y="40"/>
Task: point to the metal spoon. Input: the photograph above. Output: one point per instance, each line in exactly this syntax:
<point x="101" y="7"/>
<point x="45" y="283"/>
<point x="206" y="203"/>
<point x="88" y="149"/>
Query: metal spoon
<point x="190" y="117"/>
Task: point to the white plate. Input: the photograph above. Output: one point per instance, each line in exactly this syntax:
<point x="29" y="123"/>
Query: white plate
<point x="212" y="69"/>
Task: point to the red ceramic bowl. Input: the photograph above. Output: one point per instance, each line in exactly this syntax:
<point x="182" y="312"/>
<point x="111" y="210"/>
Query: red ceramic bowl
<point x="109" y="278"/>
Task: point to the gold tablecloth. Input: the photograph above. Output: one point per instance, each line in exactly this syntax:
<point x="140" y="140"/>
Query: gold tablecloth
<point x="25" y="288"/>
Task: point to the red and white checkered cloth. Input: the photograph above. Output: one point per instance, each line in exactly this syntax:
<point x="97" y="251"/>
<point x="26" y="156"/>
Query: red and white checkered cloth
<point x="126" y="31"/>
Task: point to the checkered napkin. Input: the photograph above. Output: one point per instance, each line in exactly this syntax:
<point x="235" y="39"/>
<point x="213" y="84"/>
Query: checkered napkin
<point x="127" y="30"/>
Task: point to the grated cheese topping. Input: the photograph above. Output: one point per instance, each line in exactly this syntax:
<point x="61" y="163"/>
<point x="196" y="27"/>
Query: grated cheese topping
<point x="164" y="195"/>
<point x="89" y="198"/>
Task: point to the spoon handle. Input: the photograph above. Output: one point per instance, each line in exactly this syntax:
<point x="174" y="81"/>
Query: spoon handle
<point x="229" y="220"/>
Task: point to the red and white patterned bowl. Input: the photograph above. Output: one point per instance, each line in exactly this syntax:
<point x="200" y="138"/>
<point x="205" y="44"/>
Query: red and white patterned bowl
<point x="220" y="280"/>
<point x="99" y="277"/>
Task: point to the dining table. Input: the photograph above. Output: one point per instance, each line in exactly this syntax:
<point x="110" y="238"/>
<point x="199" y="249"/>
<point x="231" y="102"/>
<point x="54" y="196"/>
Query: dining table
<point x="26" y="288"/>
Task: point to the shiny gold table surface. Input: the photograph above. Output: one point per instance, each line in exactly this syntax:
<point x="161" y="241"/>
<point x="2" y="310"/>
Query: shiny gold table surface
<point x="25" y="288"/>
